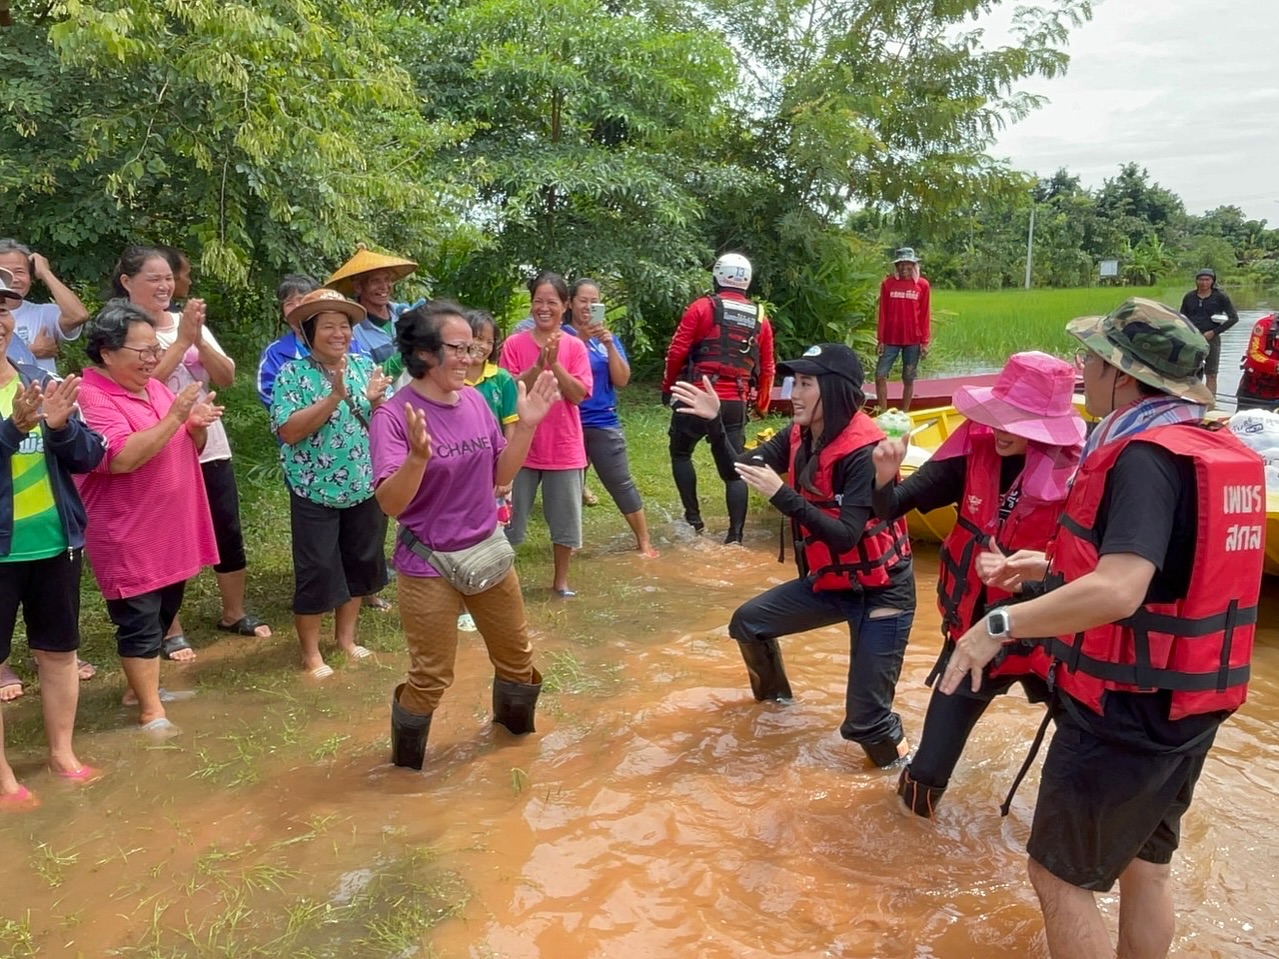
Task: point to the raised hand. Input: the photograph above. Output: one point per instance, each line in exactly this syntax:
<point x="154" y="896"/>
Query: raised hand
<point x="888" y="456"/>
<point x="60" y="400"/>
<point x="534" y="404"/>
<point x="697" y="400"/>
<point x="191" y="323"/>
<point x="26" y="408"/>
<point x="40" y="268"/>
<point x="419" y="438"/>
<point x="44" y="346"/>
<point x="184" y="402"/>
<point x="375" y="392"/>
<point x="204" y="413"/>
<point x="762" y="479"/>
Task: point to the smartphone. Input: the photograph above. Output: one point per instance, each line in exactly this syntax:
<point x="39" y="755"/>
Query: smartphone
<point x="597" y="314"/>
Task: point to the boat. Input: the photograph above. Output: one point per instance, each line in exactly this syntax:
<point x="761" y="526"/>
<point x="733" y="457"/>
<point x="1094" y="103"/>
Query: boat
<point x="930" y="393"/>
<point x="1272" y="534"/>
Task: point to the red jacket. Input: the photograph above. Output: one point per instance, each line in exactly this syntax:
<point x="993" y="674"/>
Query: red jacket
<point x="1199" y="646"/>
<point x="905" y="315"/>
<point x="695" y="326"/>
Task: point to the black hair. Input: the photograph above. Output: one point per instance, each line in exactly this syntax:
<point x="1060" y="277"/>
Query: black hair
<point x="419" y="331"/>
<point x="547" y="278"/>
<point x="292" y="284"/>
<point x="130" y="264"/>
<point x="174" y="256"/>
<point x="576" y="288"/>
<point x="478" y="319"/>
<point x="110" y="328"/>
<point x="840" y="402"/>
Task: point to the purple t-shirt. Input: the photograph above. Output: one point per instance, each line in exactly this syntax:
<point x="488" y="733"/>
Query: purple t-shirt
<point x="454" y="507"/>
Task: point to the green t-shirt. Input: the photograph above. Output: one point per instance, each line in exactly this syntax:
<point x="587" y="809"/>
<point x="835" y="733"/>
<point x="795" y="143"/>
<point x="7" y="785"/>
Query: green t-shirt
<point x="37" y="528"/>
<point x="497" y="386"/>
<point x="332" y="466"/>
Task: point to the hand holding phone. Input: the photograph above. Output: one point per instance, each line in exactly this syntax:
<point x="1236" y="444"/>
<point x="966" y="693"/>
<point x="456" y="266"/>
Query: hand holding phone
<point x="597" y="314"/>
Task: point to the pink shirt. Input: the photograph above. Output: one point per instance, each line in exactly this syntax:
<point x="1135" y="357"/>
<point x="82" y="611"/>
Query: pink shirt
<point x="149" y="528"/>
<point x="557" y="441"/>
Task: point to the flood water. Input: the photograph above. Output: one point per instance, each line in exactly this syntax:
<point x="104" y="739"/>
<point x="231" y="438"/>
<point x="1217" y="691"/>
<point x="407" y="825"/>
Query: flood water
<point x="658" y="811"/>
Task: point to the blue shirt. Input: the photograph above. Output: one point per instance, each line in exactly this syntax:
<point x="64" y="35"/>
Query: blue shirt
<point x="599" y="410"/>
<point x="285" y="349"/>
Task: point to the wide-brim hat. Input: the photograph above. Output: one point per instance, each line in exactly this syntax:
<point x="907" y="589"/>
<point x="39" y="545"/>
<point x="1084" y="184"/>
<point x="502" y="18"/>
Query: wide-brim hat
<point x="1033" y="397"/>
<point x="366" y="261"/>
<point x="325" y="300"/>
<point x="833" y="358"/>
<point x="7" y="292"/>
<point x="1150" y="342"/>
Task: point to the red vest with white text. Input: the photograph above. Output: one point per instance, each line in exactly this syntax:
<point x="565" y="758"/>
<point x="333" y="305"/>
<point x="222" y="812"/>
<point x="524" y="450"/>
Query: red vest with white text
<point x="1029" y="525"/>
<point x="1200" y="646"/>
<point x="731" y="348"/>
<point x="882" y="545"/>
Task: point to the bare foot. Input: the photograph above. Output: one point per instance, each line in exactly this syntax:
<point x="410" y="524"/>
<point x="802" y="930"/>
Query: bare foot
<point x="85" y="670"/>
<point x="10" y="684"/>
<point x="647" y="551"/>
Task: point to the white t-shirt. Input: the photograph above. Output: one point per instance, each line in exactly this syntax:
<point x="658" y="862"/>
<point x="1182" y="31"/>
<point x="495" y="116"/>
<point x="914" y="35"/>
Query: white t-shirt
<point x="30" y="319"/>
<point x="191" y="370"/>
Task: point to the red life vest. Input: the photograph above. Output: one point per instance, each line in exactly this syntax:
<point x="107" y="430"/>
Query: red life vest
<point x="1257" y="381"/>
<point x="1029" y="525"/>
<point x="882" y="545"/>
<point x="731" y="348"/>
<point x="1199" y="647"/>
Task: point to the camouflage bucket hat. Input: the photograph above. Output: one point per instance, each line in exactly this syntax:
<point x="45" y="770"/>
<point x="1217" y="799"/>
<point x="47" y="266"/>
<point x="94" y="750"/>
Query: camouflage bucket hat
<point x="1150" y="342"/>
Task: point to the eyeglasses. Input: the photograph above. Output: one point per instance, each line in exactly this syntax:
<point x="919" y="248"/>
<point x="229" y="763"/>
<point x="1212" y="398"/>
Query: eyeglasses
<point x="1081" y="357"/>
<point x="463" y="349"/>
<point x="146" y="352"/>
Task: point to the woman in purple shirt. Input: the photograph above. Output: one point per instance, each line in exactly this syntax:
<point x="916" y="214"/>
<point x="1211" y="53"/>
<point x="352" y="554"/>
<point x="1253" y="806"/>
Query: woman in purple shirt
<point x="437" y="454"/>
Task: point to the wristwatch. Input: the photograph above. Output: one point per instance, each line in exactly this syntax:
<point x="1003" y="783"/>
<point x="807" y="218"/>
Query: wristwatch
<point x="999" y="625"/>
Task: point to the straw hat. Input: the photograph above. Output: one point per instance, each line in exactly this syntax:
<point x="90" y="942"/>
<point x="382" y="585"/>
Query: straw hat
<point x="325" y="301"/>
<point x="366" y="261"/>
<point x="1033" y="397"/>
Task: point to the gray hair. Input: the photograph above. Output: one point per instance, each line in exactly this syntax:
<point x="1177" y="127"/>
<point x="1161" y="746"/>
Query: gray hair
<point x="8" y="245"/>
<point x="110" y="328"/>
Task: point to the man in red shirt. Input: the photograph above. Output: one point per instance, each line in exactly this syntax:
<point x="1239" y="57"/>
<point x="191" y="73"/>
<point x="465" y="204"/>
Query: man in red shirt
<point x="727" y="337"/>
<point x="904" y="326"/>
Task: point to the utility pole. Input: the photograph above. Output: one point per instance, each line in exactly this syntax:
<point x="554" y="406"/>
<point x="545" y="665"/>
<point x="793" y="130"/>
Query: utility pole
<point x="1030" y="240"/>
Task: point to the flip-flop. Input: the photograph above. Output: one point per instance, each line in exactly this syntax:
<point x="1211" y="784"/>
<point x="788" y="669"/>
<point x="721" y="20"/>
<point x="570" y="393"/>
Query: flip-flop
<point x="175" y="644"/>
<point x="589" y="498"/>
<point x="81" y="666"/>
<point x="9" y="679"/>
<point x="160" y="728"/>
<point x="80" y="777"/>
<point x="377" y="603"/>
<point x="565" y="593"/>
<point x="24" y="798"/>
<point x="246" y="625"/>
<point x="359" y="652"/>
<point x="322" y="672"/>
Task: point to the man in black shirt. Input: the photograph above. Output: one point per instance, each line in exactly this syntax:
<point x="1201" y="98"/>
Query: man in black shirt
<point x="1199" y="306"/>
<point x="1152" y="641"/>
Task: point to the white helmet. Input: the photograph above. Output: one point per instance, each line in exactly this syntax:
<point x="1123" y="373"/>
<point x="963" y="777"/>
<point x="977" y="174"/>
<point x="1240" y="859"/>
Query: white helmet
<point x="732" y="270"/>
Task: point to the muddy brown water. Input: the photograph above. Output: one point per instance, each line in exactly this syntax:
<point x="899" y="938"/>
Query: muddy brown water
<point x="658" y="811"/>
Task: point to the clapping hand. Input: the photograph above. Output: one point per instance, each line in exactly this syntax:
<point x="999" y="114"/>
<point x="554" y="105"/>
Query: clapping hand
<point x="533" y="405"/>
<point x="191" y="323"/>
<point x="26" y="408"/>
<point x="375" y="392"/>
<point x="184" y="402"/>
<point x="204" y="413"/>
<point x="419" y="438"/>
<point x="550" y="352"/>
<point x="60" y="400"/>
<point x="888" y="456"/>
<point x="337" y="380"/>
<point x="697" y="400"/>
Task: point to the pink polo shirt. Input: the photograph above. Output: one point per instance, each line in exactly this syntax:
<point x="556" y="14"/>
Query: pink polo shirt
<point x="557" y="441"/>
<point x="149" y="528"/>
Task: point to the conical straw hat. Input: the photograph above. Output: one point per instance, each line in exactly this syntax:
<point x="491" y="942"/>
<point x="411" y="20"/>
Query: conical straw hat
<point x="366" y="261"/>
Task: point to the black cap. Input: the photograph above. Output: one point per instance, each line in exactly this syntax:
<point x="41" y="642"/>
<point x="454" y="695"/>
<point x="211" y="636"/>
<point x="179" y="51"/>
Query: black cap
<point x="826" y="358"/>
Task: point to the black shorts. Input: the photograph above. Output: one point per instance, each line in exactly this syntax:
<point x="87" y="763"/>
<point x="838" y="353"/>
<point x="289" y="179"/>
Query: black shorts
<point x="1103" y="803"/>
<point x="337" y="553"/>
<point x="1213" y="363"/>
<point x="48" y="590"/>
<point x="224" y="510"/>
<point x="141" y="621"/>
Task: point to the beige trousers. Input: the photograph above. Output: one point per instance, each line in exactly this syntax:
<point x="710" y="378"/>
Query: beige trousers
<point x="429" y="608"/>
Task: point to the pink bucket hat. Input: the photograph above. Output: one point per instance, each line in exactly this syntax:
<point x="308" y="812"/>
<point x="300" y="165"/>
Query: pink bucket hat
<point x="1033" y="397"/>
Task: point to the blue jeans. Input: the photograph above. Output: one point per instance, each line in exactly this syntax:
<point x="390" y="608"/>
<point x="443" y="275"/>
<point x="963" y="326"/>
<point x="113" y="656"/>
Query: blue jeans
<point x="876" y="649"/>
<point x="910" y="361"/>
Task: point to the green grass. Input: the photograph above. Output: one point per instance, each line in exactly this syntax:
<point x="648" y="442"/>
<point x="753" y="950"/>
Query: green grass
<point x="979" y="329"/>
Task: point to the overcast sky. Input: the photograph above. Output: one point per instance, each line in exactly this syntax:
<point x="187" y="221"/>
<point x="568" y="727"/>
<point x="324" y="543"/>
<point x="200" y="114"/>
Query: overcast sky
<point x="1188" y="89"/>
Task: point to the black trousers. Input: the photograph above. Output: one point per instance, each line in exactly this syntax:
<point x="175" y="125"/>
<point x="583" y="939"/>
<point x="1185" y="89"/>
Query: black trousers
<point x="685" y="433"/>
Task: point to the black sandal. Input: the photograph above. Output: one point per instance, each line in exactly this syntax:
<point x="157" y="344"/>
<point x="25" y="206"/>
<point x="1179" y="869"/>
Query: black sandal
<point x="246" y="625"/>
<point x="175" y="644"/>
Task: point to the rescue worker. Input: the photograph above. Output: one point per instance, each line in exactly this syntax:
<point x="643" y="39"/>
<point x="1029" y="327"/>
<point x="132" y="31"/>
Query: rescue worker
<point x="1006" y="470"/>
<point x="904" y="328"/>
<point x="1259" y="385"/>
<point x="1202" y="306"/>
<point x="852" y="567"/>
<point x="1151" y="603"/>
<point x="726" y="337"/>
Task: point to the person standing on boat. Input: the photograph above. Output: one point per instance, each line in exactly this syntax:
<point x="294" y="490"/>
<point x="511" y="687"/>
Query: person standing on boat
<point x="725" y="336"/>
<point x="1259" y="384"/>
<point x="905" y="326"/>
<point x="1201" y="306"/>
<point x="1152" y="583"/>
<point x="853" y="568"/>
<point x="1006" y="471"/>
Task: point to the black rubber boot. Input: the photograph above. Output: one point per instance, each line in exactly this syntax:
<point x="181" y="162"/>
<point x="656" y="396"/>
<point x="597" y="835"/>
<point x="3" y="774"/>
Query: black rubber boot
<point x="763" y="660"/>
<point x="921" y="799"/>
<point x="695" y="520"/>
<point x="408" y="734"/>
<point x="734" y="535"/>
<point x="513" y="703"/>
